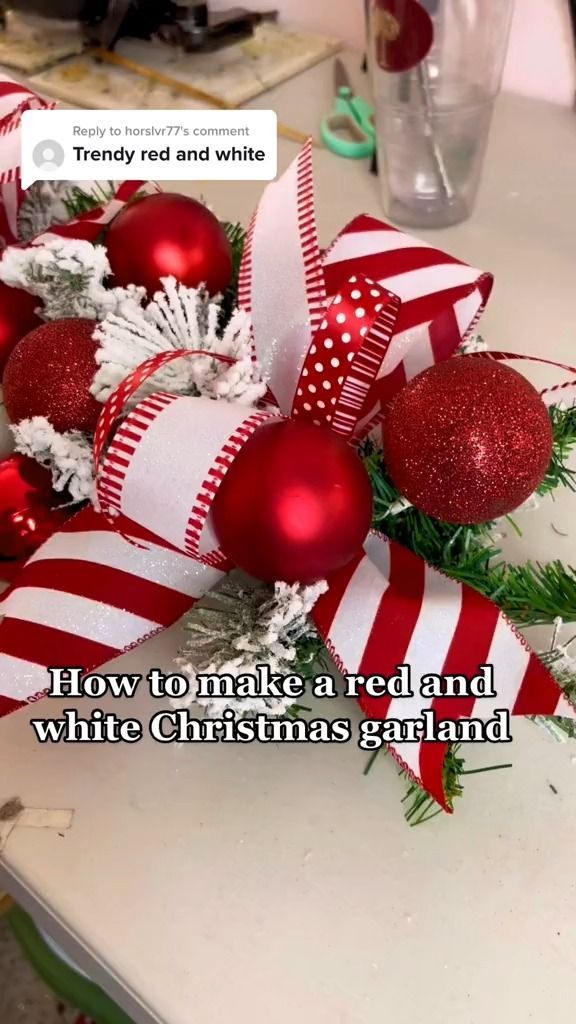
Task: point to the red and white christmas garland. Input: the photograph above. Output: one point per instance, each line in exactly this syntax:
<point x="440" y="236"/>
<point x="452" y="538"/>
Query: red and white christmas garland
<point x="338" y="334"/>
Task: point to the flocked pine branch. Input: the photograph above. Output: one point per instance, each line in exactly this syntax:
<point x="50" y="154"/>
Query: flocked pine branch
<point x="44" y="205"/>
<point x="68" y="456"/>
<point x="179" y="318"/>
<point x="562" y="664"/>
<point x="247" y="625"/>
<point x="68" y="275"/>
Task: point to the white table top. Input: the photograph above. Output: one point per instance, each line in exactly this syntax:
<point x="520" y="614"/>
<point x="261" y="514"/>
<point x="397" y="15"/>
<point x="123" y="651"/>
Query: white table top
<point x="273" y="884"/>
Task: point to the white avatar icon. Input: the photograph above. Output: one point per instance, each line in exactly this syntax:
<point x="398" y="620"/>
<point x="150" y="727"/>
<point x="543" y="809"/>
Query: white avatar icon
<point x="48" y="155"/>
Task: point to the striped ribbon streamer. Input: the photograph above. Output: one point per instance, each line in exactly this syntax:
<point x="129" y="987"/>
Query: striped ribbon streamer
<point x="14" y="100"/>
<point x="86" y="596"/>
<point x="388" y="608"/>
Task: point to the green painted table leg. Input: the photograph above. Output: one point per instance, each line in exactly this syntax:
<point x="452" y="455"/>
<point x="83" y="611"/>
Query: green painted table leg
<point x="66" y="983"/>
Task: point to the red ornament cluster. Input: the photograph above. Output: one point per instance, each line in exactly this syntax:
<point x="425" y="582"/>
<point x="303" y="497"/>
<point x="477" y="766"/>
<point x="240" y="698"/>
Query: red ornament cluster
<point x="167" y="234"/>
<point x="467" y="440"/>
<point x="295" y="505"/>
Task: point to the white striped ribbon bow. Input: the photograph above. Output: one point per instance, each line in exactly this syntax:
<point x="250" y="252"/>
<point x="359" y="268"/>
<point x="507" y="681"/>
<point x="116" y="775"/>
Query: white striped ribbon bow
<point x="337" y="334"/>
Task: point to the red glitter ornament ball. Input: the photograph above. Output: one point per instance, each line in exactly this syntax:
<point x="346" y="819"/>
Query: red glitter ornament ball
<point x="403" y="32"/>
<point x="168" y="234"/>
<point x="467" y="440"/>
<point x="50" y="373"/>
<point x="17" y="318"/>
<point x="295" y="505"/>
<point x="28" y="515"/>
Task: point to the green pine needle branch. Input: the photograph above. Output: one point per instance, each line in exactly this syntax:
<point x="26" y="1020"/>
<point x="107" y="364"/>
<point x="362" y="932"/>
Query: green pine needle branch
<point x="420" y="806"/>
<point x="564" y="434"/>
<point x="237" y="237"/>
<point x="79" y="201"/>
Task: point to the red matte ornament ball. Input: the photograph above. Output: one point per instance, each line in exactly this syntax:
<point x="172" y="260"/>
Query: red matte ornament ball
<point x="28" y="512"/>
<point x="17" y="318"/>
<point x="50" y="373"/>
<point x="467" y="440"/>
<point x="168" y="234"/>
<point x="295" y="505"/>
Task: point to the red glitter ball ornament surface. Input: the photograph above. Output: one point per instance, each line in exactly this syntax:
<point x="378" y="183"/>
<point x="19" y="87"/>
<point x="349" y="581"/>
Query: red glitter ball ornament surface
<point x="17" y="318"/>
<point x="168" y="234"/>
<point x="404" y="33"/>
<point x="295" y="505"/>
<point x="467" y="440"/>
<point x="28" y="512"/>
<point x="50" y="373"/>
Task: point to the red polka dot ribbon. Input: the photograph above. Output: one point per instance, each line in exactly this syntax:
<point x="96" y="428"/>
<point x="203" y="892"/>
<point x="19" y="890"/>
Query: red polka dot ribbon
<point x="345" y="356"/>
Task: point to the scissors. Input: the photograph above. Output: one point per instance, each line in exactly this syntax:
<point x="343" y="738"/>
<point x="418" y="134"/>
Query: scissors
<point x="349" y="129"/>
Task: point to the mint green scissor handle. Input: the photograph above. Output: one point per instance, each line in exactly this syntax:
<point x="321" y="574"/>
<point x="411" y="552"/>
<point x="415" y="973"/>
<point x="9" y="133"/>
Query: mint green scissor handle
<point x="351" y="117"/>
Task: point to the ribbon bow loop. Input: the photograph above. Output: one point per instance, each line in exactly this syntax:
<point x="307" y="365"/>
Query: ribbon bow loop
<point x="292" y="291"/>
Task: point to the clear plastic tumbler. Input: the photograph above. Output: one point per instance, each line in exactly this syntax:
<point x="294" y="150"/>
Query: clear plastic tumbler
<point x="433" y="111"/>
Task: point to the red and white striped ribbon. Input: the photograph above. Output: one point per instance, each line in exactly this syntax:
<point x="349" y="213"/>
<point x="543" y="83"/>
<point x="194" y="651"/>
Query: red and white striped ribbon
<point x="388" y="608"/>
<point x="180" y="447"/>
<point x="89" y="226"/>
<point x="152" y="443"/>
<point x="14" y="100"/>
<point x="86" y="596"/>
<point x="281" y="282"/>
<point x="442" y="299"/>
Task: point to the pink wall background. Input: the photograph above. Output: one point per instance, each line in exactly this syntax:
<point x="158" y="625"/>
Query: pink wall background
<point x="541" y="58"/>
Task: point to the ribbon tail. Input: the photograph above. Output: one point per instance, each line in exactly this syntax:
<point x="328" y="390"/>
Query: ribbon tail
<point x="388" y="608"/>
<point x="85" y="597"/>
<point x="281" y="280"/>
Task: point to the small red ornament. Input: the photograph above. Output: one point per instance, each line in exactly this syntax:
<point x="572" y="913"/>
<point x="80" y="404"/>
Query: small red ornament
<point x="50" y="373"/>
<point x="17" y="318"/>
<point x="404" y="33"/>
<point x="295" y="505"/>
<point x="167" y="234"/>
<point x="28" y="512"/>
<point x="467" y="440"/>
